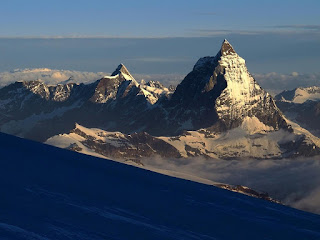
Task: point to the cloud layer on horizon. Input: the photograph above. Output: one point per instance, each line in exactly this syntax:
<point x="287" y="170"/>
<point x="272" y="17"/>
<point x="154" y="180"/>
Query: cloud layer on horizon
<point x="274" y="82"/>
<point x="49" y="76"/>
<point x="54" y="76"/>
<point x="279" y="82"/>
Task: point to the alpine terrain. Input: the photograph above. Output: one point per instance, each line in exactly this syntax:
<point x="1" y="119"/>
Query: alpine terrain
<point x="52" y="193"/>
<point x="217" y="111"/>
<point x="302" y="105"/>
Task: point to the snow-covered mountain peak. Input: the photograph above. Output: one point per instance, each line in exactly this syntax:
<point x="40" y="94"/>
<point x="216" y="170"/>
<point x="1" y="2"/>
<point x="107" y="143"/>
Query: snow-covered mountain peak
<point x="209" y="62"/>
<point x="226" y="93"/>
<point x="123" y="71"/>
<point x="243" y="97"/>
<point x="226" y="48"/>
<point x="119" y="85"/>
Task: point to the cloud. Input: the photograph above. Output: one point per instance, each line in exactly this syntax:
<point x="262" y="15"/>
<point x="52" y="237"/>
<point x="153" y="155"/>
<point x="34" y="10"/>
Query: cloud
<point x="49" y="76"/>
<point x="273" y="82"/>
<point x="159" y="60"/>
<point x="298" y="27"/>
<point x="295" y="182"/>
<point x="219" y="32"/>
<point x="53" y="76"/>
<point x="276" y="29"/>
<point x="206" y="13"/>
<point x="280" y="82"/>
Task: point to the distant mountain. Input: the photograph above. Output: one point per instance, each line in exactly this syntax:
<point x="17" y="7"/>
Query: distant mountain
<point x="217" y="111"/>
<point x="35" y="110"/>
<point x="299" y="95"/>
<point x="302" y="105"/>
<point x="51" y="193"/>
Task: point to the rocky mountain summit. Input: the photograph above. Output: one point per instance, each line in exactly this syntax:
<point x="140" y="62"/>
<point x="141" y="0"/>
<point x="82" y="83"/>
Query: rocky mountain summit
<point x="219" y="93"/>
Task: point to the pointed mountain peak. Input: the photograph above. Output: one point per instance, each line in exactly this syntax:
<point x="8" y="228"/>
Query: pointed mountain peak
<point x="226" y="48"/>
<point x="122" y="69"/>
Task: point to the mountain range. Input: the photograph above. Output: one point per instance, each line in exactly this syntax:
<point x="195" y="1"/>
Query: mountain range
<point x="217" y="111"/>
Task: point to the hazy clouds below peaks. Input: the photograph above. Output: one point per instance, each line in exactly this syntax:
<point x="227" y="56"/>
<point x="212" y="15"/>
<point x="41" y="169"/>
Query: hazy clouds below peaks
<point x="52" y="76"/>
<point x="48" y="76"/>
<point x="279" y="82"/>
<point x="274" y="82"/>
<point x="295" y="182"/>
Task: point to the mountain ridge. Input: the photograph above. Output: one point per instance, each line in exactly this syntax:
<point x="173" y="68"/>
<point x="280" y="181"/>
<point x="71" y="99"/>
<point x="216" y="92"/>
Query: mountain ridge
<point x="218" y="97"/>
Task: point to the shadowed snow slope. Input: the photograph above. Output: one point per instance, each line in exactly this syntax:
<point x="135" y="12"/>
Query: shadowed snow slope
<point x="51" y="193"/>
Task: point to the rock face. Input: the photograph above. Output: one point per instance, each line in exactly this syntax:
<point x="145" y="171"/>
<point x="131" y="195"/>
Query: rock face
<point x="248" y="191"/>
<point x="220" y="92"/>
<point x="120" y="146"/>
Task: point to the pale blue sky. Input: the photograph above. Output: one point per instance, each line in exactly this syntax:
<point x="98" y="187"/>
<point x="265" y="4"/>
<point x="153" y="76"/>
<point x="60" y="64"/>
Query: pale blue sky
<point x="166" y="36"/>
<point x="145" y="18"/>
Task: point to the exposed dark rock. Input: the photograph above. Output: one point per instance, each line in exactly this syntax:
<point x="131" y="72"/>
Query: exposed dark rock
<point x="248" y="191"/>
<point x="133" y="146"/>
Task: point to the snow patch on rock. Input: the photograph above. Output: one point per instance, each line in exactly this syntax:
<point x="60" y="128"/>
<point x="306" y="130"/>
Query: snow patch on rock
<point x="253" y="125"/>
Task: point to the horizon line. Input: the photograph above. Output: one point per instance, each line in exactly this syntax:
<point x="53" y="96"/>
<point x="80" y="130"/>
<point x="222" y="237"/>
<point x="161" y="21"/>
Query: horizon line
<point x="99" y="37"/>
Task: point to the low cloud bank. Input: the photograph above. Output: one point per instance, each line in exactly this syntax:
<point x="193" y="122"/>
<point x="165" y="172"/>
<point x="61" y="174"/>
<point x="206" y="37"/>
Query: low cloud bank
<point x="49" y="76"/>
<point x="52" y="76"/>
<point x="280" y="82"/>
<point x="295" y="182"/>
<point x="274" y="82"/>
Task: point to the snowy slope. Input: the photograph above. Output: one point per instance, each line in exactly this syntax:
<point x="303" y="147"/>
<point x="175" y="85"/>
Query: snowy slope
<point x="95" y="142"/>
<point x="252" y="139"/>
<point x="300" y="95"/>
<point x="51" y="193"/>
<point x="302" y="105"/>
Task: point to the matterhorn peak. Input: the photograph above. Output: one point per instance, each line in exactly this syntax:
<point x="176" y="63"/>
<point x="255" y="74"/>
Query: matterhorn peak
<point x="226" y="48"/>
<point x="226" y="93"/>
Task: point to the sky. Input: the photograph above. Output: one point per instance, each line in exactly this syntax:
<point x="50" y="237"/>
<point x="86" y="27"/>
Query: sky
<point x="142" y="18"/>
<point x="158" y="37"/>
